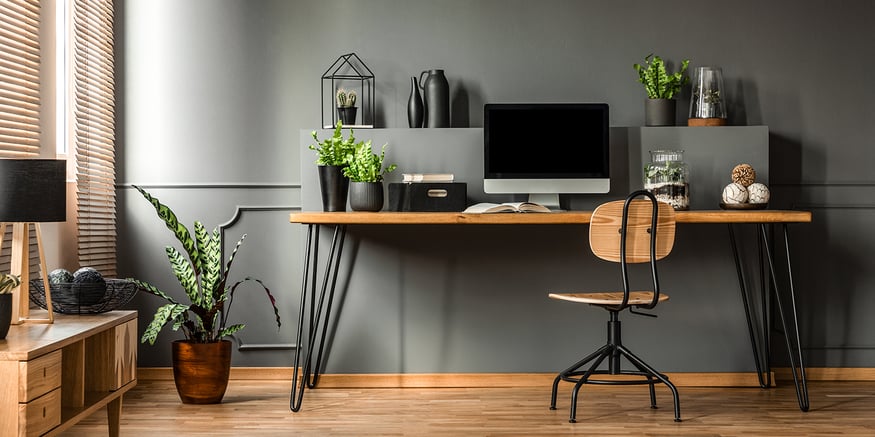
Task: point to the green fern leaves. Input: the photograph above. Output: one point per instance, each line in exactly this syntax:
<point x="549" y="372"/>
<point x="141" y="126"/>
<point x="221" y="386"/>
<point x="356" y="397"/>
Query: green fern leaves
<point x="658" y="82"/>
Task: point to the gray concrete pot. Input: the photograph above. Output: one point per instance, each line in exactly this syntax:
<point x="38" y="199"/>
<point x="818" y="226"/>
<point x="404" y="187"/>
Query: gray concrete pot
<point x="659" y="112"/>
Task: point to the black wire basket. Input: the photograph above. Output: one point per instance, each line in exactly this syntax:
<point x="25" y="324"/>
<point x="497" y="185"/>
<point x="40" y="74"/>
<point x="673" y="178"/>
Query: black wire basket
<point x="78" y="298"/>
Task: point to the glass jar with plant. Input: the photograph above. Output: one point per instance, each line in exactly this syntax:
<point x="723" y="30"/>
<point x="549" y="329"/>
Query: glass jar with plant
<point x="365" y="172"/>
<point x="667" y="177"/>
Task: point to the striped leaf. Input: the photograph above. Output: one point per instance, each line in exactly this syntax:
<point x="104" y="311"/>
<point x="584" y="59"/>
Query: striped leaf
<point x="185" y="275"/>
<point x="178" y="229"/>
<point x="163" y="315"/>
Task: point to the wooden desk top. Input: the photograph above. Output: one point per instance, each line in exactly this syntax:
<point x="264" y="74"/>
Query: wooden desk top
<point x="556" y="218"/>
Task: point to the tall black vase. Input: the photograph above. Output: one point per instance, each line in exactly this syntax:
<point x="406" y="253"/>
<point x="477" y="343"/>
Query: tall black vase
<point x="414" y="105"/>
<point x="334" y="186"/>
<point x="437" y="98"/>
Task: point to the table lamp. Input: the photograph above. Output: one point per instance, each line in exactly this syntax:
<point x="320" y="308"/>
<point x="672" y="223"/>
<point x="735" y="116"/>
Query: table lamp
<point x="31" y="191"/>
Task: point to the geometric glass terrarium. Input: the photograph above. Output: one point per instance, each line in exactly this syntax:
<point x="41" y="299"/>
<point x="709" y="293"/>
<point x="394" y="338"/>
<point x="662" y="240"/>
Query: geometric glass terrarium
<point x="348" y="75"/>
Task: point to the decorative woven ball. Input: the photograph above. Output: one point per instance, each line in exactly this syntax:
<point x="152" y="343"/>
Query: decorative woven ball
<point x="60" y="276"/>
<point x="744" y="174"/>
<point x="734" y="193"/>
<point x="88" y="275"/>
<point x="758" y="193"/>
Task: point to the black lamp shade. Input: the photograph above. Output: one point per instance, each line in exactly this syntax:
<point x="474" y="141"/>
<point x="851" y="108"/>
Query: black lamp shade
<point x="33" y="190"/>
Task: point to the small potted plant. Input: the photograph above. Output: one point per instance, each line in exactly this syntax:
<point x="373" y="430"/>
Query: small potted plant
<point x="201" y="362"/>
<point x="661" y="87"/>
<point x="332" y="155"/>
<point x="7" y="284"/>
<point x="346" y="109"/>
<point x="365" y="172"/>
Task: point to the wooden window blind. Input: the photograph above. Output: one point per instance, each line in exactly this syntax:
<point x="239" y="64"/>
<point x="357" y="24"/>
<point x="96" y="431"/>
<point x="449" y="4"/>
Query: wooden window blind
<point x="19" y="90"/>
<point x="94" y="133"/>
<point x="19" y="78"/>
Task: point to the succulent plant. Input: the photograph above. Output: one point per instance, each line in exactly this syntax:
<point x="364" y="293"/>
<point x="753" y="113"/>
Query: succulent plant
<point x="346" y="99"/>
<point x="8" y="283"/>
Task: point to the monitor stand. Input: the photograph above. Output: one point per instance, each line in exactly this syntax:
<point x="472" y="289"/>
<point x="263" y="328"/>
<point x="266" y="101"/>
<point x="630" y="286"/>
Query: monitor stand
<point x="550" y="200"/>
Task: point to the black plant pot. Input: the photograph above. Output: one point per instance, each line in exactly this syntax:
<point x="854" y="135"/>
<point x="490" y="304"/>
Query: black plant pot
<point x="659" y="112"/>
<point x="5" y="314"/>
<point x="347" y="115"/>
<point x="334" y="186"/>
<point x="366" y="196"/>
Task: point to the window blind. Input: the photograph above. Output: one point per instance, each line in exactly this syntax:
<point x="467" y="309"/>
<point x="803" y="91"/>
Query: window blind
<point x="94" y="133"/>
<point x="19" y="90"/>
<point x="19" y="78"/>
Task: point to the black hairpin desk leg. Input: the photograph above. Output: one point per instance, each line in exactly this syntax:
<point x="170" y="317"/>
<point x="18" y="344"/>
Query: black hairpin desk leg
<point x="318" y="311"/>
<point x="790" y="335"/>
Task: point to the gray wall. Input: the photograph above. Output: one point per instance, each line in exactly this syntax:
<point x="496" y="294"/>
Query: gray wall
<point x="214" y="95"/>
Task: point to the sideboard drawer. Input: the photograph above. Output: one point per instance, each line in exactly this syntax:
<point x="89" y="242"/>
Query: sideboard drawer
<point x="42" y="414"/>
<point x="39" y="376"/>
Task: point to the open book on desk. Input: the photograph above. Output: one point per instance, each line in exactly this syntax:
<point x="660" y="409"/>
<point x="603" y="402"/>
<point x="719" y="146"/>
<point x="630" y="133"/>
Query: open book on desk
<point x="486" y="208"/>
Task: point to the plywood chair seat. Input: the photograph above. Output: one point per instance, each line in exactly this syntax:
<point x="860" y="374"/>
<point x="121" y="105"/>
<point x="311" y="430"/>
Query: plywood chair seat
<point x="609" y="298"/>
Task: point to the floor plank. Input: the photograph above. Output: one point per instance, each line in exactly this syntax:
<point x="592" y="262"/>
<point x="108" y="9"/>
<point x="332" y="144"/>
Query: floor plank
<point x="261" y="408"/>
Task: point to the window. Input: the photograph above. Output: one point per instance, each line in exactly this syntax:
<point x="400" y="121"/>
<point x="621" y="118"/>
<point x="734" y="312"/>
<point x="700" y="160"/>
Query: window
<point x="86" y="110"/>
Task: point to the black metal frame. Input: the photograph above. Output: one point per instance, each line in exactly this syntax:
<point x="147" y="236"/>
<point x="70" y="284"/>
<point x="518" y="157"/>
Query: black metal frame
<point x="310" y="370"/>
<point x="772" y="292"/>
<point x="349" y="67"/>
<point x="614" y="348"/>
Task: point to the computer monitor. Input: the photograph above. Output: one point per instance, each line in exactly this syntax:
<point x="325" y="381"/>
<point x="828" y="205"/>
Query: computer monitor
<point x="544" y="149"/>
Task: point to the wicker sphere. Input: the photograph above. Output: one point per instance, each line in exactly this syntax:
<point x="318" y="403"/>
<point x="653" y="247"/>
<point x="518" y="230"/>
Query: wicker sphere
<point x="758" y="193"/>
<point x="744" y="174"/>
<point x="734" y="193"/>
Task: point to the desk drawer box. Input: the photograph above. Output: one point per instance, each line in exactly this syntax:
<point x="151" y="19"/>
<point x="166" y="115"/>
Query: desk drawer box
<point x="39" y="376"/>
<point x="428" y="197"/>
<point x="41" y="414"/>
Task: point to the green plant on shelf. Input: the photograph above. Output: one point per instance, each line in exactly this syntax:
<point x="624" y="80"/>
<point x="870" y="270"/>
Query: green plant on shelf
<point x="658" y="82"/>
<point x="669" y="171"/>
<point x="345" y="99"/>
<point x="365" y="165"/>
<point x="334" y="150"/>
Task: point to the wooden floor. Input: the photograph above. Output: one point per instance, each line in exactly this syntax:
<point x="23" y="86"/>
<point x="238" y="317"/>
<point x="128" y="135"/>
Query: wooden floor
<point x="261" y="408"/>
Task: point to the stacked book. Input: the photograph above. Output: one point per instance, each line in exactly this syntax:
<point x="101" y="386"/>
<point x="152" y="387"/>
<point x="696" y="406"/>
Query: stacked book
<point x="427" y="177"/>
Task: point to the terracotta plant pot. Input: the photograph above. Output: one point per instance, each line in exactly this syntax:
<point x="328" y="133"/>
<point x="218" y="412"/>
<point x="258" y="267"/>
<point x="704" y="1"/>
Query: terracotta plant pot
<point x="201" y="370"/>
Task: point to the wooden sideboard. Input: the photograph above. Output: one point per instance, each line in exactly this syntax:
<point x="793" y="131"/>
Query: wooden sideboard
<point x="54" y="375"/>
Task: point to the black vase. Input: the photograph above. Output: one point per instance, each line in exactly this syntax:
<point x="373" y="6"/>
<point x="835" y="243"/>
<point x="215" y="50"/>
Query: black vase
<point x="437" y="98"/>
<point x="334" y="186"/>
<point x="414" y="105"/>
<point x="5" y="314"/>
<point x="366" y="196"/>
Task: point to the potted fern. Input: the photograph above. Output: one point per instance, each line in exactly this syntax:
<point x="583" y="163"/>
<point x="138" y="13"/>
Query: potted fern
<point x="332" y="156"/>
<point x="346" y="109"/>
<point x="661" y="87"/>
<point x="8" y="283"/>
<point x="365" y="172"/>
<point x="202" y="361"/>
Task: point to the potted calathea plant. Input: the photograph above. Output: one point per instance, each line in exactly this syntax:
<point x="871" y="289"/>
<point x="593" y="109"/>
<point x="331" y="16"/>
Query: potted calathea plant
<point x="7" y="284"/>
<point x="201" y="362"/>
<point x="332" y="155"/>
<point x="346" y="110"/>
<point x="365" y="172"/>
<point x="661" y="87"/>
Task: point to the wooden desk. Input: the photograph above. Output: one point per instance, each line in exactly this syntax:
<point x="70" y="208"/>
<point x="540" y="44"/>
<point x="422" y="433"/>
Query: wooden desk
<point x="55" y="375"/>
<point x="340" y="220"/>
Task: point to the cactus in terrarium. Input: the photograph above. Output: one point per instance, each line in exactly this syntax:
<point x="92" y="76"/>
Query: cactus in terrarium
<point x="346" y="99"/>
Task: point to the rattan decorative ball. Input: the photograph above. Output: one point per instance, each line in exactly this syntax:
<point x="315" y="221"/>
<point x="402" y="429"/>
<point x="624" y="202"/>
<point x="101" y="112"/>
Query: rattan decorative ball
<point x="734" y="193"/>
<point x="744" y="174"/>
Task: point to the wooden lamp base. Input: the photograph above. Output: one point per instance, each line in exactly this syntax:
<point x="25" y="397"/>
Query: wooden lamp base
<point x="20" y="265"/>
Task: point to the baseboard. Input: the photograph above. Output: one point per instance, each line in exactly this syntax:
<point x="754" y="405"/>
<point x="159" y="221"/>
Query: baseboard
<point x="448" y="380"/>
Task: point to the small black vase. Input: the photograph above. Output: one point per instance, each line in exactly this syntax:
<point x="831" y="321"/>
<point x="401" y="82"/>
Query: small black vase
<point x="366" y="196"/>
<point x="414" y="105"/>
<point x="347" y="115"/>
<point x="334" y="186"/>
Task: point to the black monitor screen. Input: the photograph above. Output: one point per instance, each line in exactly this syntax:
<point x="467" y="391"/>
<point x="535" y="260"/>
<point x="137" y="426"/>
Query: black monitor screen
<point x="546" y="140"/>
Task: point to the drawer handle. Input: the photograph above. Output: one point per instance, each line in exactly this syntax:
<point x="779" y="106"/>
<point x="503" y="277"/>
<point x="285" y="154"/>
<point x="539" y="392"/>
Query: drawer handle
<point x="44" y="412"/>
<point x="437" y="192"/>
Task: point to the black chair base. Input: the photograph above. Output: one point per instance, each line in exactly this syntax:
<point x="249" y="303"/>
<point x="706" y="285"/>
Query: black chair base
<point x="612" y="351"/>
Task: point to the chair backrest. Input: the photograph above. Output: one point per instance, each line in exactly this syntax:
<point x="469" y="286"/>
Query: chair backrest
<point x="606" y="223"/>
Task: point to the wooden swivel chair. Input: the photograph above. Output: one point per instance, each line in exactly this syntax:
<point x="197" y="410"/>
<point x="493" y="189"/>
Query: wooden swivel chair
<point x="622" y="231"/>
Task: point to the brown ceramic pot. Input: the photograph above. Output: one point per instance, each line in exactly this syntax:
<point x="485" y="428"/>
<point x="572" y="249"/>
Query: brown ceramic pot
<point x="201" y="370"/>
